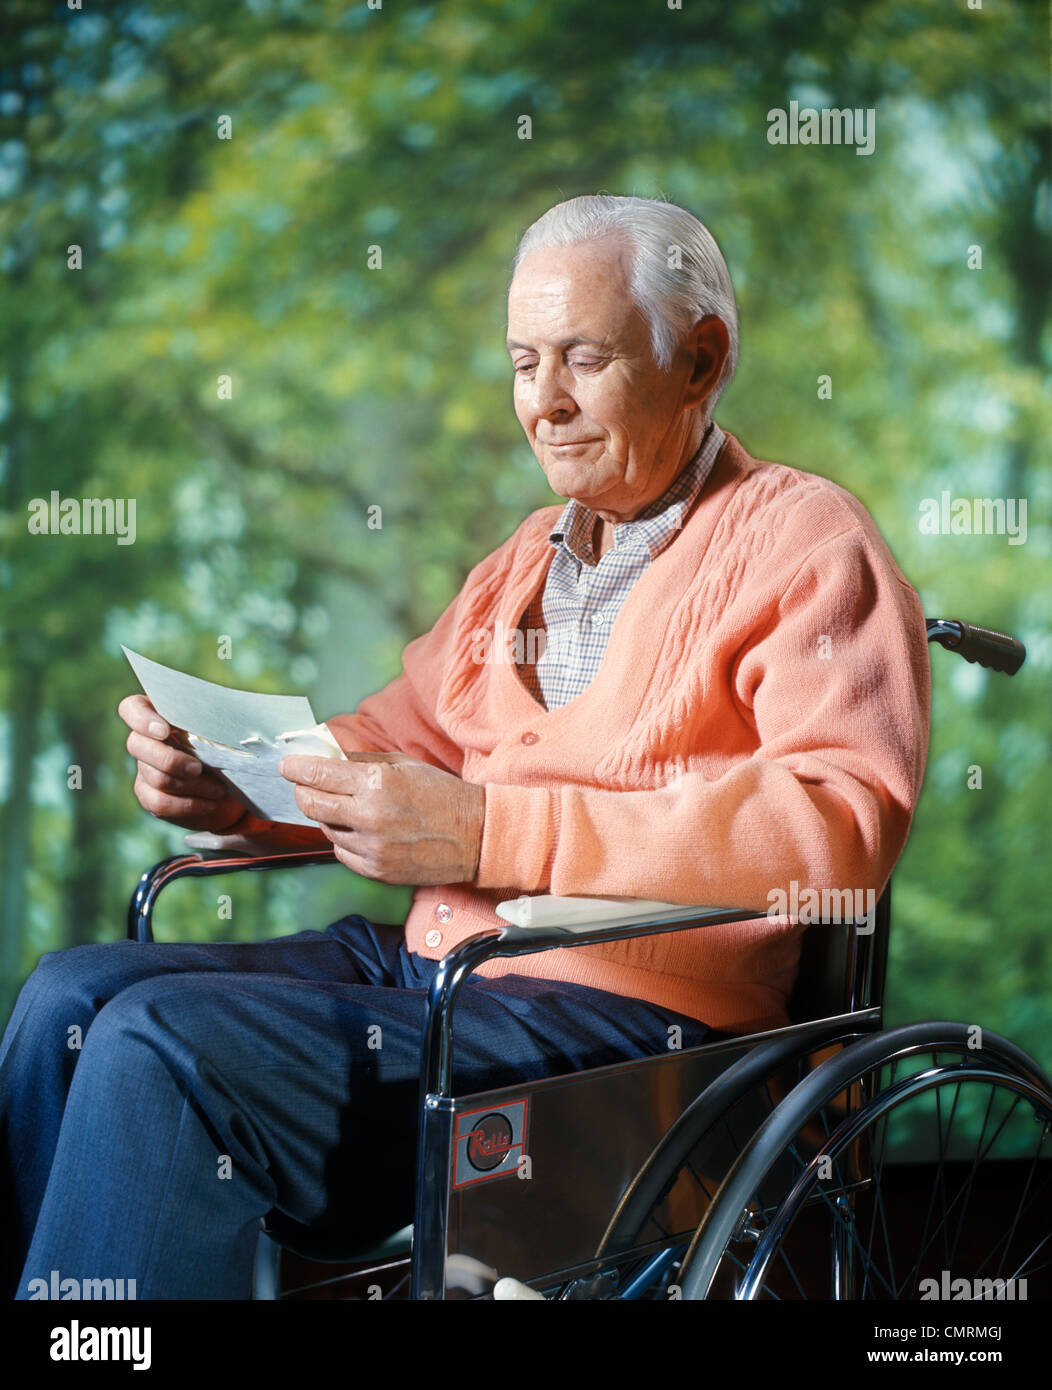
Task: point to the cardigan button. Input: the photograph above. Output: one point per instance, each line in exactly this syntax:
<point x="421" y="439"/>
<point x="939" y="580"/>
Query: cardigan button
<point x="433" y="939"/>
<point x="443" y="913"/>
<point x="531" y="738"/>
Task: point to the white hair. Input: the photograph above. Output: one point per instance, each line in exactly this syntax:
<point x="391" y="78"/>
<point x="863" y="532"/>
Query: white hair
<point x="678" y="273"/>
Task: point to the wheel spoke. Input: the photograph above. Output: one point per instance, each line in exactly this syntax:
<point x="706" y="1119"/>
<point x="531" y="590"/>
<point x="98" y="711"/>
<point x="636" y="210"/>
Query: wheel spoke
<point x="1032" y="1270"/>
<point x="835" y="1213"/>
<point x="971" y="1176"/>
<point x="699" y="1179"/>
<point x="878" y="1208"/>
<point x="1022" y="1201"/>
<point x="1045" y="1185"/>
<point x="792" y="1272"/>
<point x="965" y="1191"/>
<point x="940" y="1186"/>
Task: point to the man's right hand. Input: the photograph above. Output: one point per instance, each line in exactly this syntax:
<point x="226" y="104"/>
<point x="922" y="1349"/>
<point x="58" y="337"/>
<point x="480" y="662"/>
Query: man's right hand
<point x="171" y="783"/>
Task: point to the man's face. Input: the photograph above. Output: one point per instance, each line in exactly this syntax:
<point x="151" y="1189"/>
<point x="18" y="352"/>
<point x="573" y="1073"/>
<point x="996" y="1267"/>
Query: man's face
<point x="607" y="425"/>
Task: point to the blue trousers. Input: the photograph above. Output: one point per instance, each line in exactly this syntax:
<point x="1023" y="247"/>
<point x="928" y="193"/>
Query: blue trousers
<point x="157" y="1100"/>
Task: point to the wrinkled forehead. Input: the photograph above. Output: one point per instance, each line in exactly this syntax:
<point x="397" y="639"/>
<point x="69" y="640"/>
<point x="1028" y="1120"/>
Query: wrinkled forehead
<point x="560" y="293"/>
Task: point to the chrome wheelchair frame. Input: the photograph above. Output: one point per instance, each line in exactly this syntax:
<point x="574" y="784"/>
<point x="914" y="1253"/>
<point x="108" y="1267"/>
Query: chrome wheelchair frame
<point x="837" y="1009"/>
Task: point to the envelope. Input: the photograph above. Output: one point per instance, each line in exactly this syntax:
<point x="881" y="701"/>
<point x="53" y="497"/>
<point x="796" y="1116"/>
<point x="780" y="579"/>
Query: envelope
<point x="239" y="734"/>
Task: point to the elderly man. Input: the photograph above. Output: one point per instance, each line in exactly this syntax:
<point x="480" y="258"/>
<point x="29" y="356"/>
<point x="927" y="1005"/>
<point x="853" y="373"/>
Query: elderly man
<point x="729" y="696"/>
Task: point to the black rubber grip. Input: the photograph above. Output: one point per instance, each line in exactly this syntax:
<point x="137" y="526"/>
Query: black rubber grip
<point x="993" y="649"/>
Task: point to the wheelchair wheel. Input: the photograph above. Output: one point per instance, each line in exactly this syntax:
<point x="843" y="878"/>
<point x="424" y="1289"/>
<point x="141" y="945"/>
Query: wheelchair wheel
<point x="914" y="1164"/>
<point x="640" y="1251"/>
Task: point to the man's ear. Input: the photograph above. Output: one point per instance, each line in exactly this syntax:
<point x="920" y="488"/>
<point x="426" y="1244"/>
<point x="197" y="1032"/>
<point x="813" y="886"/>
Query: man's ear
<point x="709" y="345"/>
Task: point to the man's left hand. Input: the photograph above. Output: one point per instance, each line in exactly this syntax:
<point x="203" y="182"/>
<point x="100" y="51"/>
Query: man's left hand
<point x="391" y="817"/>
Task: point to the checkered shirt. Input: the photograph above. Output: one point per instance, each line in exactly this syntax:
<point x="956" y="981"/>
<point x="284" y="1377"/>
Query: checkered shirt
<point x="582" y="597"/>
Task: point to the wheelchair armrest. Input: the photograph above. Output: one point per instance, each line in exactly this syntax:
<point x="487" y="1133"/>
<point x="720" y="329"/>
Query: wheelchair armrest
<point x="645" y="919"/>
<point x="203" y="863"/>
<point x="584" y="914"/>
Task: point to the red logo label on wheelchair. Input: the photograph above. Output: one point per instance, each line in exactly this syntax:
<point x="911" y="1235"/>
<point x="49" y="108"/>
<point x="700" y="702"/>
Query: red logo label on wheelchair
<point x="489" y="1143"/>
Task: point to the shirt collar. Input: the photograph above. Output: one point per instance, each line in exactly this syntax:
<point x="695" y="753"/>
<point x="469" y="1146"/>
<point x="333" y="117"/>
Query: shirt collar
<point x="656" y="526"/>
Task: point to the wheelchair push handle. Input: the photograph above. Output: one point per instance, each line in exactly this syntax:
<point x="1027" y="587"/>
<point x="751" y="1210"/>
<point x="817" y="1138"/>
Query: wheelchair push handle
<point x="995" y="650"/>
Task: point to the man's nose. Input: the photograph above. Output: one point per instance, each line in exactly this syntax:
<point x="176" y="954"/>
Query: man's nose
<point x="552" y="388"/>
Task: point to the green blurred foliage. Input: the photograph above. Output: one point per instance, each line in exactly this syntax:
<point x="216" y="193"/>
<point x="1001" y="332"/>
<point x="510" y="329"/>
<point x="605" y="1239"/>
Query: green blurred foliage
<point x="356" y="387"/>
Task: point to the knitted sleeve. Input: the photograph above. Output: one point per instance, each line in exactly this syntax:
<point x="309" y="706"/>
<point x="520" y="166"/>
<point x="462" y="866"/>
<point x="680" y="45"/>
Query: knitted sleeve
<point x="835" y="678"/>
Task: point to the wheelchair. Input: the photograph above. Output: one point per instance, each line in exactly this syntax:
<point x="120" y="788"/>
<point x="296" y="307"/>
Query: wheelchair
<point x="825" y="1160"/>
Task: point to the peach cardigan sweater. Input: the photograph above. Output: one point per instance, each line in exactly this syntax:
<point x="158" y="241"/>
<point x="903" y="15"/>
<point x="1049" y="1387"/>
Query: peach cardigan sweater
<point x="761" y="716"/>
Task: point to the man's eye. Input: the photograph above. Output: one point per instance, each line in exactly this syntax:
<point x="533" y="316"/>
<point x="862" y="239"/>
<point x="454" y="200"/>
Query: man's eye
<point x="587" y="363"/>
<point x="524" y="367"/>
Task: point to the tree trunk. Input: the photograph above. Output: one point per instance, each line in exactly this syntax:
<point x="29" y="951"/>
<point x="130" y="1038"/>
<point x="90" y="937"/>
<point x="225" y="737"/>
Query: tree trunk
<point x="91" y="834"/>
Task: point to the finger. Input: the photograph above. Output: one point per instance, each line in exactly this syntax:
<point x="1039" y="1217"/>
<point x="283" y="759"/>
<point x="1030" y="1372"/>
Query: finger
<point x="138" y="713"/>
<point x="363" y="852"/>
<point x="206" y="786"/>
<point x="327" y="808"/>
<point x="325" y="774"/>
<point x="167" y="807"/>
<point x="163" y="756"/>
<point x="352" y="861"/>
